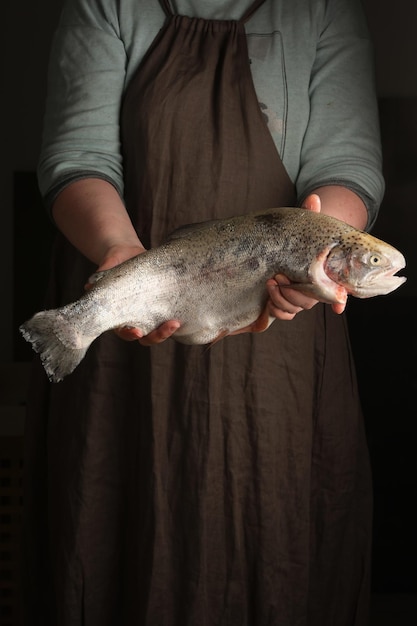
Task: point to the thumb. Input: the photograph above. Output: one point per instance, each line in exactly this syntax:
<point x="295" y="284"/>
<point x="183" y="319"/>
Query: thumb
<point x="312" y="203"/>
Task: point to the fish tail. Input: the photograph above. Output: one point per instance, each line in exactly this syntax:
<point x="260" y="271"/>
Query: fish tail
<point x="60" y="346"/>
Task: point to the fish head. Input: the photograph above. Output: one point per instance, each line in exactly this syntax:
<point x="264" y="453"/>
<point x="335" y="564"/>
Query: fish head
<point x="364" y="265"/>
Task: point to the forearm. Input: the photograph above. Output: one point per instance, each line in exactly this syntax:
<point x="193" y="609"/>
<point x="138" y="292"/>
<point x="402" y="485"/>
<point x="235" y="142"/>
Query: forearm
<point x="344" y="204"/>
<point x="92" y="216"/>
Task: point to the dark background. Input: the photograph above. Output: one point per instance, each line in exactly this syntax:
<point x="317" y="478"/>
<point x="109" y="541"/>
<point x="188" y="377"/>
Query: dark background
<point x="383" y="329"/>
<point x="384" y="340"/>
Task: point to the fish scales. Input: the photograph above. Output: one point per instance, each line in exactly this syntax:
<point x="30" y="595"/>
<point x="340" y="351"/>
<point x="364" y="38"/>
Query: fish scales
<point x="212" y="278"/>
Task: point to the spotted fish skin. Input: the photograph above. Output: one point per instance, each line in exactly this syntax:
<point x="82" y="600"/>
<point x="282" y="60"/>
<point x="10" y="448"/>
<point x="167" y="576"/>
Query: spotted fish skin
<point x="212" y="278"/>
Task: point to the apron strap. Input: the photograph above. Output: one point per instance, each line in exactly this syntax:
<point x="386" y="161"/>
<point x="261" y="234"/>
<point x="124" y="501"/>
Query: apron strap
<point x="167" y="7"/>
<point x="251" y="10"/>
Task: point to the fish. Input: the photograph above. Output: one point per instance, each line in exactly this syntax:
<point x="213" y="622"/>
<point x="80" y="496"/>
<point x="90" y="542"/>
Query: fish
<point x="212" y="276"/>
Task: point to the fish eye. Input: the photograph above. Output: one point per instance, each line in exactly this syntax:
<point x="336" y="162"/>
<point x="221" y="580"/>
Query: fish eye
<point x="375" y="259"/>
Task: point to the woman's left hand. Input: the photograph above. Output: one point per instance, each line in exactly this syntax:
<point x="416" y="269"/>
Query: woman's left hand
<point x="284" y="302"/>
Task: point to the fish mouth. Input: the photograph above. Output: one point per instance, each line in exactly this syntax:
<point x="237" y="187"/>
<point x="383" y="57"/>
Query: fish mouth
<point x="392" y="281"/>
<point x="380" y="283"/>
<point x="391" y="275"/>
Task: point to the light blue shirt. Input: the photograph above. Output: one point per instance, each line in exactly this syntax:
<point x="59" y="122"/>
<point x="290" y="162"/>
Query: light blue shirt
<point x="312" y="67"/>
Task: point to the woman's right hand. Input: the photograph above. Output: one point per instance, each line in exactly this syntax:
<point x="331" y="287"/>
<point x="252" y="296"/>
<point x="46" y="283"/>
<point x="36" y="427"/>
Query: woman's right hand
<point x="92" y="216"/>
<point x="115" y="256"/>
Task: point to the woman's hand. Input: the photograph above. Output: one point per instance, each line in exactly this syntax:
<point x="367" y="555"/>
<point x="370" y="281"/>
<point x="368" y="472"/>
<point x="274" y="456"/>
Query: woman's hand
<point x="156" y="336"/>
<point x="114" y="257"/>
<point x="284" y="302"/>
<point x="92" y="216"/>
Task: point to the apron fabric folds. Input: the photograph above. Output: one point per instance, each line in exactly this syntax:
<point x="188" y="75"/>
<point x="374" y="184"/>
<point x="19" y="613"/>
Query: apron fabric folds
<point x="186" y="486"/>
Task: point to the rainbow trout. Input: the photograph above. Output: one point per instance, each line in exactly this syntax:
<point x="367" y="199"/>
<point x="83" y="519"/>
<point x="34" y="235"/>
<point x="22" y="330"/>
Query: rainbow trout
<point x="212" y="278"/>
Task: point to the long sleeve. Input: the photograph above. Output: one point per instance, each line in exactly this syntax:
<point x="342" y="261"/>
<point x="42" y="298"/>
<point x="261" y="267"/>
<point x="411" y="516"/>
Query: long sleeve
<point x="341" y="144"/>
<point x="85" y="85"/>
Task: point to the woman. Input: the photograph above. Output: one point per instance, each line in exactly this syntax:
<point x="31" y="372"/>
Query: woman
<point x="186" y="486"/>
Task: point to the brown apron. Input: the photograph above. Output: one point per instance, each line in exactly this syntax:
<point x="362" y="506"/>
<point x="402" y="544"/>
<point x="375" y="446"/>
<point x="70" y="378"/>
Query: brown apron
<point x="189" y="486"/>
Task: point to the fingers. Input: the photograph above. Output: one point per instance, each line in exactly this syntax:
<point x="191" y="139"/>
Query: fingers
<point x="158" y="335"/>
<point x="286" y="302"/>
<point x="129" y="334"/>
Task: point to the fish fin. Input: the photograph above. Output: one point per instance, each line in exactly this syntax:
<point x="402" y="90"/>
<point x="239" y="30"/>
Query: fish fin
<point x="59" y="345"/>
